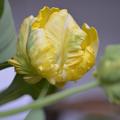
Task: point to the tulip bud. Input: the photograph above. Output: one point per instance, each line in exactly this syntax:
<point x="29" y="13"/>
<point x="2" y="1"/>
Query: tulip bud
<point x="108" y="73"/>
<point x="54" y="47"/>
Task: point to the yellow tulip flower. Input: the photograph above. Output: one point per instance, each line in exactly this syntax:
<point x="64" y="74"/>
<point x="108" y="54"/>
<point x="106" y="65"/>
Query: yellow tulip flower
<point x="53" y="46"/>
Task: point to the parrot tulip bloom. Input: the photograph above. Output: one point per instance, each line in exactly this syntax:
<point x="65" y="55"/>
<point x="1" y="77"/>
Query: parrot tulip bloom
<point x="54" y="47"/>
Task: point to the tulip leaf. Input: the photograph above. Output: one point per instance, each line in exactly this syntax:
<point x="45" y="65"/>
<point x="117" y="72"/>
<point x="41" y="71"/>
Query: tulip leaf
<point x="1" y="7"/>
<point x="36" y="115"/>
<point x="7" y="33"/>
<point x="5" y="65"/>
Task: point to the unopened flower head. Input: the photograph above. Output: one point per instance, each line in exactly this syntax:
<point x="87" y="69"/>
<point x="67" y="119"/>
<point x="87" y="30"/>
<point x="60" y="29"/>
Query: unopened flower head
<point x="53" y="46"/>
<point x="108" y="73"/>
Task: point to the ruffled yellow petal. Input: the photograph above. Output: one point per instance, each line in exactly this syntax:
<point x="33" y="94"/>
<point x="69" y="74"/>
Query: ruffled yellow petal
<point x="43" y="16"/>
<point x="21" y="59"/>
<point x="89" y="47"/>
<point x="40" y="51"/>
<point x="56" y="49"/>
<point x="92" y="38"/>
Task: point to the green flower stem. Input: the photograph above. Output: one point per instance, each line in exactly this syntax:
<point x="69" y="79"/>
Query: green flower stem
<point x="44" y="91"/>
<point x="51" y="99"/>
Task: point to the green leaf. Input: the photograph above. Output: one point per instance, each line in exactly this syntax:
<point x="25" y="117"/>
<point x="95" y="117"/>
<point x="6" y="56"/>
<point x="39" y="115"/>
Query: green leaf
<point x="5" y="65"/>
<point x="14" y="91"/>
<point x="36" y="115"/>
<point x="1" y="7"/>
<point x="7" y="34"/>
<point x="19" y="88"/>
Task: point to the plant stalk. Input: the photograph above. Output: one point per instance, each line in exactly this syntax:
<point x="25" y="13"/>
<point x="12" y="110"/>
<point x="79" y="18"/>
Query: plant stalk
<point x="50" y="99"/>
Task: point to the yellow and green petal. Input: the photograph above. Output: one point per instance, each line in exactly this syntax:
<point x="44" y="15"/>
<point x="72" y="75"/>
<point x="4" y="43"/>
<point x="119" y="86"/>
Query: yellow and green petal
<point x="53" y="46"/>
<point x="43" y="16"/>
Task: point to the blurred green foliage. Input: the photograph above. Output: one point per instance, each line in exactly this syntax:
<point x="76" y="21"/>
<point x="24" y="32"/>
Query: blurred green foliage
<point x="7" y="32"/>
<point x="108" y="73"/>
<point x="36" y="115"/>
